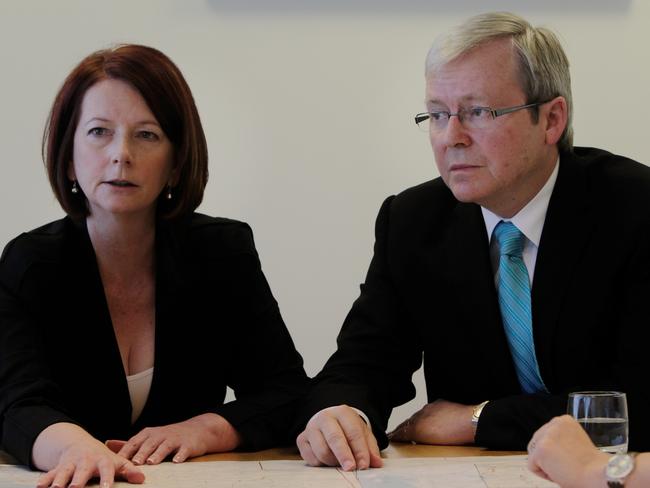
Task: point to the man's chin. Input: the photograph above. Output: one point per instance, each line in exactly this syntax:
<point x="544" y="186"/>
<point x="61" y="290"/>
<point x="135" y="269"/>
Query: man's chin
<point x="467" y="194"/>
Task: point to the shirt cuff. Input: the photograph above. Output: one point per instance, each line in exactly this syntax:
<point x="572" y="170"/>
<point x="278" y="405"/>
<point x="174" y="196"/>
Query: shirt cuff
<point x="362" y="415"/>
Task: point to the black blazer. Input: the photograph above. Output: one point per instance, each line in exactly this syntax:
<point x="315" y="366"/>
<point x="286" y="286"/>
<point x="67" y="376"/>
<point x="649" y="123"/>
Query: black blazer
<point x="430" y="292"/>
<point x="217" y="324"/>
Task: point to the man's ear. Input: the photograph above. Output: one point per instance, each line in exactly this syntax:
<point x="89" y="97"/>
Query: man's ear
<point x="555" y="116"/>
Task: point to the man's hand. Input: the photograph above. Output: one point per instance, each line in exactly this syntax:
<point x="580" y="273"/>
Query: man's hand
<point x="439" y="422"/>
<point x="339" y="436"/>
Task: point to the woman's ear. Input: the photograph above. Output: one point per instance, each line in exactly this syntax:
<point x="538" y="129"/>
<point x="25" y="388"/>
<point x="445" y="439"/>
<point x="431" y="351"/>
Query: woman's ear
<point x="174" y="176"/>
<point x="70" y="171"/>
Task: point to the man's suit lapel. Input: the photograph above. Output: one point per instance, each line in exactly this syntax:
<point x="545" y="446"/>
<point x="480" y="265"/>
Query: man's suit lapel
<point x="470" y="257"/>
<point x="568" y="227"/>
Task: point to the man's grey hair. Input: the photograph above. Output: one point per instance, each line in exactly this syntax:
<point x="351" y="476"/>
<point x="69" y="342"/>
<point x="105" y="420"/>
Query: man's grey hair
<point x="543" y="65"/>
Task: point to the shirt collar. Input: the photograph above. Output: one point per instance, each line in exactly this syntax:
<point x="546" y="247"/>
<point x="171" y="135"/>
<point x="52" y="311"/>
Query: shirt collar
<point x="530" y="219"/>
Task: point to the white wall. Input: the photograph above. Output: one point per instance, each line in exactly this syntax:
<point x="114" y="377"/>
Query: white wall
<point x="308" y="107"/>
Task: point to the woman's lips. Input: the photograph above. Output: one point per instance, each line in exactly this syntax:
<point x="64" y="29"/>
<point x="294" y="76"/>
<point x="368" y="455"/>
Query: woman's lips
<point x="121" y="183"/>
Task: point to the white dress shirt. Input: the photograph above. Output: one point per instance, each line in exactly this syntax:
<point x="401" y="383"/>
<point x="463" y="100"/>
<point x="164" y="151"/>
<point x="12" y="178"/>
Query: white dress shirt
<point x="529" y="220"/>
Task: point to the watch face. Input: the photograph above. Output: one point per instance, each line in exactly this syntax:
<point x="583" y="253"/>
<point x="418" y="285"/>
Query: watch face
<point x="619" y="466"/>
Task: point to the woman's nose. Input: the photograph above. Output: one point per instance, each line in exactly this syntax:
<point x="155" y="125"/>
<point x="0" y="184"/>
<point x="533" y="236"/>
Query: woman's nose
<point x="121" y="151"/>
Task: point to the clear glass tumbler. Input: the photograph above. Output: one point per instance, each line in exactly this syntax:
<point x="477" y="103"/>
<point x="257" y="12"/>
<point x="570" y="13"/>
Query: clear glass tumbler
<point x="603" y="414"/>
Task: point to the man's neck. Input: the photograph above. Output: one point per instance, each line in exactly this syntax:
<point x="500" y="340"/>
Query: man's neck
<point x="510" y="205"/>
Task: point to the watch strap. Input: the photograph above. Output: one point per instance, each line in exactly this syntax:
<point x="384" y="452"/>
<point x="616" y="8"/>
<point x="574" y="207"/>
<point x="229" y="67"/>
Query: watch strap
<point x="476" y="413"/>
<point x="619" y="482"/>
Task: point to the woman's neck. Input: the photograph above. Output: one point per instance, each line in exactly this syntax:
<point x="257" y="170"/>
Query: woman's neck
<point x="124" y="245"/>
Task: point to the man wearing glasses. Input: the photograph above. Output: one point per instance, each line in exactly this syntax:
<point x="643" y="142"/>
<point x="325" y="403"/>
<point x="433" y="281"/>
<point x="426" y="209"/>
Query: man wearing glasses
<point x="521" y="274"/>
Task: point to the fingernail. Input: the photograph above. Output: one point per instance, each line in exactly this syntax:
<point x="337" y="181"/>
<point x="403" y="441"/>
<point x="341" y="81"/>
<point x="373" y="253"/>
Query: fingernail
<point x="137" y="460"/>
<point x="348" y="465"/>
<point x="150" y="461"/>
<point x="177" y="459"/>
<point x="106" y="484"/>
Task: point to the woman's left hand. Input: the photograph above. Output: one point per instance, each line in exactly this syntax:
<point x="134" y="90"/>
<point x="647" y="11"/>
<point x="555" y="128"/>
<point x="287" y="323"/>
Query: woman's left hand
<point x="199" y="435"/>
<point x="561" y="451"/>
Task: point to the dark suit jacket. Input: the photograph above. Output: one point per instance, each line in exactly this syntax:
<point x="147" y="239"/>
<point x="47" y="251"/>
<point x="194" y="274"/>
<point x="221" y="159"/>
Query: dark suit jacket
<point x="430" y="292"/>
<point x="217" y="324"/>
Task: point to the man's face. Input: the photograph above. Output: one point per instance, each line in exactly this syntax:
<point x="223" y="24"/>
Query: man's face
<point x="503" y="166"/>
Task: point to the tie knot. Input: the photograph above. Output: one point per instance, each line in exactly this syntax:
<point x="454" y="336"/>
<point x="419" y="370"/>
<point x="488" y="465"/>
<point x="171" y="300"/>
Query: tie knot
<point x="510" y="239"/>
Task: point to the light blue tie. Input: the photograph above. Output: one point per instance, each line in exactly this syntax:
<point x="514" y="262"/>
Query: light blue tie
<point x="514" y="301"/>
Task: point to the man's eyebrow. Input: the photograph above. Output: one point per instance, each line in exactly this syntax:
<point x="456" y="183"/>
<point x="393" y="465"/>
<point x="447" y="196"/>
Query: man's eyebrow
<point x="436" y="104"/>
<point x="462" y="100"/>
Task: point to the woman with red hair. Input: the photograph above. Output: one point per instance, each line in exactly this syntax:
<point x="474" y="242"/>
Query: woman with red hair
<point x="122" y="324"/>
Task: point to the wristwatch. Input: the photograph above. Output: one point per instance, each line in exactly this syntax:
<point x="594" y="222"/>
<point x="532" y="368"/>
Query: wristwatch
<point x="618" y="469"/>
<point x="476" y="414"/>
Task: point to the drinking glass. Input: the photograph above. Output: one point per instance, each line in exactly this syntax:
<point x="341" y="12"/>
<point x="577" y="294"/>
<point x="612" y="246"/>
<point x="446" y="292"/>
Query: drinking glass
<point x="603" y="414"/>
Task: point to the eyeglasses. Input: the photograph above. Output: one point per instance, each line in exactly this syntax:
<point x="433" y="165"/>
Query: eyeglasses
<point x="471" y="117"/>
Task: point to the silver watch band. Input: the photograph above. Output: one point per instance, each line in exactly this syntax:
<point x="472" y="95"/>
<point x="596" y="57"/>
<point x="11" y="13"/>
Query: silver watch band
<point x="476" y="413"/>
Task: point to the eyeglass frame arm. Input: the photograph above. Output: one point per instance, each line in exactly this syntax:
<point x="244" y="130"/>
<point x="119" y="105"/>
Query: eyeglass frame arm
<point x="495" y="112"/>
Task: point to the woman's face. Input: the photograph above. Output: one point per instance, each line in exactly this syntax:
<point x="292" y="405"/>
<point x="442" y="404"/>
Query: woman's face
<point x="122" y="159"/>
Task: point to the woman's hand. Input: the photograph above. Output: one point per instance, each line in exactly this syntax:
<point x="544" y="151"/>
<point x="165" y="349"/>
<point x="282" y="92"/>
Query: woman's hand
<point x="194" y="437"/>
<point x="73" y="457"/>
<point x="561" y="451"/>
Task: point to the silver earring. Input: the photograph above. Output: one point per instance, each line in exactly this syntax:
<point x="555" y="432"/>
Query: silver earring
<point x="169" y="192"/>
<point x="74" y="188"/>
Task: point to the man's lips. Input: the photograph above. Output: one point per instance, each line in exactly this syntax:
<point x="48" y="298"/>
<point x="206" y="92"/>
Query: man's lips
<point x="461" y="167"/>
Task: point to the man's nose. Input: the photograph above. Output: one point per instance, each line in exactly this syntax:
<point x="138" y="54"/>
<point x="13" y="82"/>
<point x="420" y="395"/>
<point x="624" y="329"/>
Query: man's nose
<point x="455" y="133"/>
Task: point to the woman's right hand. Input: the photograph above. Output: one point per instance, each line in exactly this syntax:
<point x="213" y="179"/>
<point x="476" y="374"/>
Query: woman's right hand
<point x="72" y="457"/>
